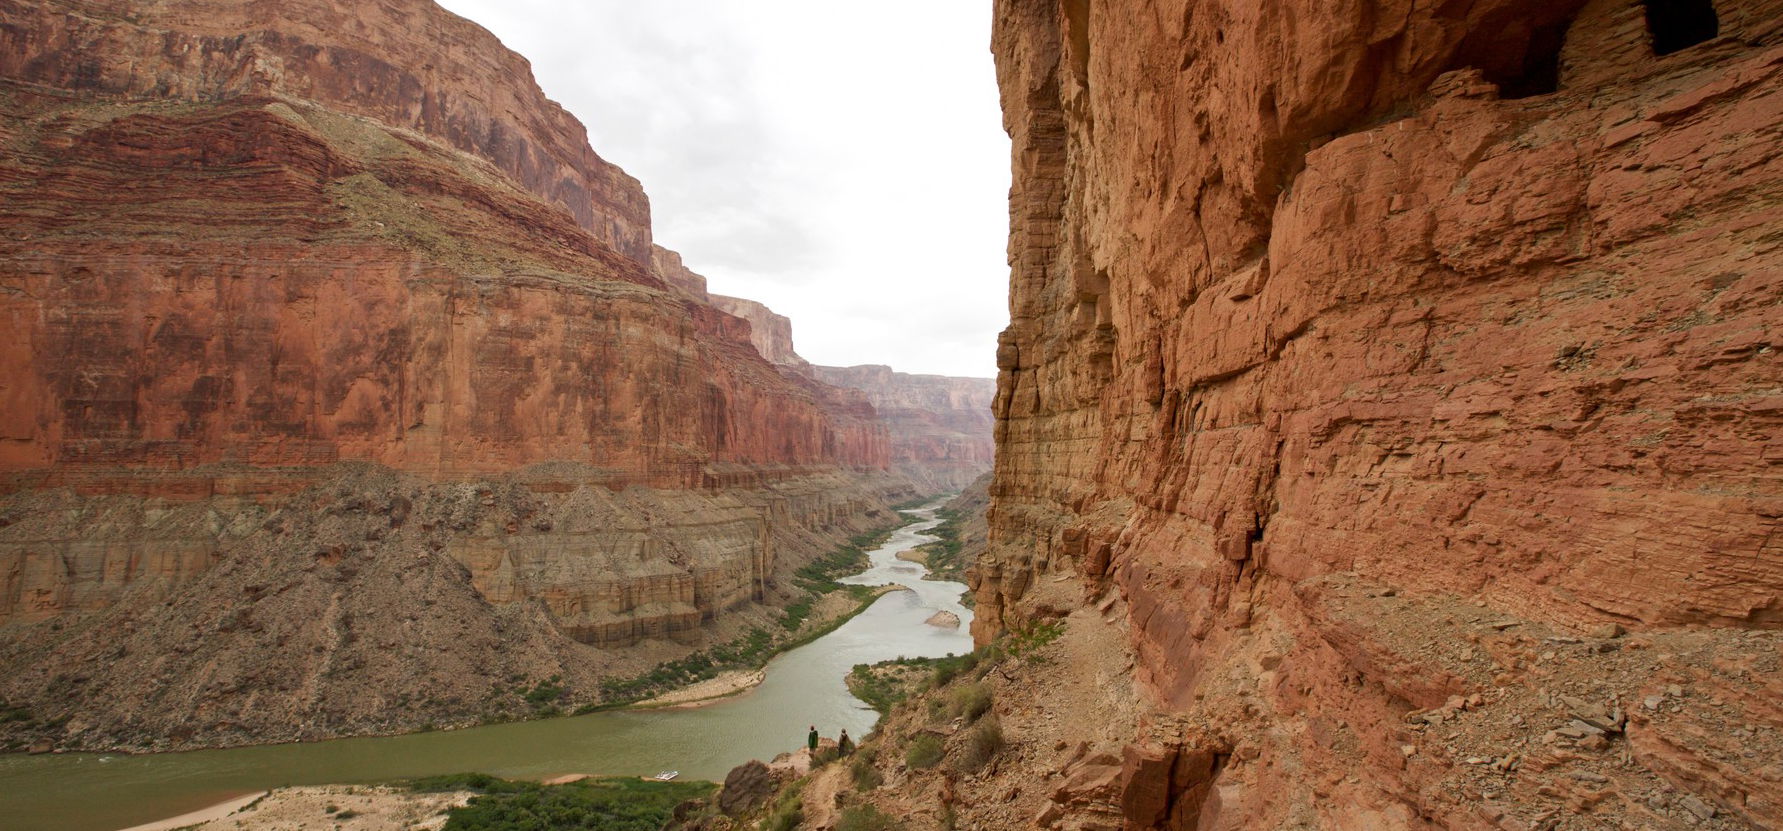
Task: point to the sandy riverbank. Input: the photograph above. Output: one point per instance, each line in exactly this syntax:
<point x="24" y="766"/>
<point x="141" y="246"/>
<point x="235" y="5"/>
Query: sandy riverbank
<point x="202" y="815"/>
<point x="725" y="685"/>
<point x="344" y="807"/>
<point x="830" y="612"/>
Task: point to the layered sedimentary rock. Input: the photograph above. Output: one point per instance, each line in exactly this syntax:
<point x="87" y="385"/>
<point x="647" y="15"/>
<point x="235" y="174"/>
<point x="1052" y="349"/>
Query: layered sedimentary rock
<point x="278" y="284"/>
<point x="971" y="506"/>
<point x="404" y="64"/>
<point x="940" y="426"/>
<point x="1330" y="322"/>
<point x="247" y="250"/>
<point x="668" y="267"/>
<point x="378" y="601"/>
<point x="770" y="332"/>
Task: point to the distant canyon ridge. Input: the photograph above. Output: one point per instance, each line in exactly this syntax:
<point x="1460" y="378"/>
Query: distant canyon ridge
<point x="345" y="390"/>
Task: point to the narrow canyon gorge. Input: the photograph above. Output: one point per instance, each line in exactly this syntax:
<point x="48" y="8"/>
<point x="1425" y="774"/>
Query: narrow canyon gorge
<point x="344" y="389"/>
<point x="1388" y="431"/>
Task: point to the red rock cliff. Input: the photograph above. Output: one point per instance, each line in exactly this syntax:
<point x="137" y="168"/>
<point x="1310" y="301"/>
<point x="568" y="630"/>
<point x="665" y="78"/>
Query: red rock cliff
<point x="769" y="331"/>
<point x="406" y="64"/>
<point x="940" y="426"/>
<point x="1331" y="321"/>
<point x="246" y="248"/>
<point x="243" y="282"/>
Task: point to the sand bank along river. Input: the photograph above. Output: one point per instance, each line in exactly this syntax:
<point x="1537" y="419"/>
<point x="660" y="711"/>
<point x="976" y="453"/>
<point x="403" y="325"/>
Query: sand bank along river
<point x="101" y="792"/>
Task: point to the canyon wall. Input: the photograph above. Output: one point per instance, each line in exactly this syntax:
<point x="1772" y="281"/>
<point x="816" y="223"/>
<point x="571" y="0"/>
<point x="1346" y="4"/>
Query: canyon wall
<point x="299" y="295"/>
<point x="284" y="284"/>
<point x="378" y="601"/>
<point x="668" y="267"/>
<point x="1367" y="359"/>
<point x="770" y="332"/>
<point x="940" y="426"/>
<point x="408" y="65"/>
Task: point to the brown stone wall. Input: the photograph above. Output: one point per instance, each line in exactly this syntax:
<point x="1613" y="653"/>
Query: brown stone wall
<point x="940" y="426"/>
<point x="374" y="601"/>
<point x="283" y="360"/>
<point x="251" y="285"/>
<point x="1472" y="301"/>
<point x="668" y="268"/>
<point x="403" y="63"/>
<point x="769" y="331"/>
<point x="255" y="257"/>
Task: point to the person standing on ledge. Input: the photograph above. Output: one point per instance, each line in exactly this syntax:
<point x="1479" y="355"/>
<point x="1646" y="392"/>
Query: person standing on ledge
<point x="844" y="745"/>
<point x="811" y="739"/>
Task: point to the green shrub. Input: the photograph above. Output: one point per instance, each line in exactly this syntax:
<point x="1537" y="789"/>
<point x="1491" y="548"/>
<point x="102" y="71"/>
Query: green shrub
<point x="983" y="742"/>
<point x="865" y="818"/>
<point x="784" y="820"/>
<point x="615" y="804"/>
<point x="924" y="752"/>
<point x="481" y="782"/>
<point x="883" y="686"/>
<point x="970" y="701"/>
<point x="1026" y="639"/>
<point x="797" y="611"/>
<point x="787" y="813"/>
<point x="865" y="774"/>
<point x="945" y="555"/>
<point x="347" y="814"/>
<point x="545" y="692"/>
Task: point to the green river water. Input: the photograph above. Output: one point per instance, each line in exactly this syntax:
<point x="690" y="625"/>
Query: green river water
<point x="104" y="792"/>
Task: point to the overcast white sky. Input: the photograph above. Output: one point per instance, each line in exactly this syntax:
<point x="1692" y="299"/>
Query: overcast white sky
<point x="842" y="162"/>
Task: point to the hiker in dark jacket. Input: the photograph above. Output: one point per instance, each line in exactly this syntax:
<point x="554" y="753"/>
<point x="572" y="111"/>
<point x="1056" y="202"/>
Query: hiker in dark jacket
<point x="844" y="745"/>
<point x="811" y="739"/>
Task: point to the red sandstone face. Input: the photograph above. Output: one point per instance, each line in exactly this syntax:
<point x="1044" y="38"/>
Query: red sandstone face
<point x="940" y="426"/>
<point x="1476" y="299"/>
<point x="280" y="285"/>
<point x="770" y="332"/>
<point x="407" y="64"/>
<point x="242" y="244"/>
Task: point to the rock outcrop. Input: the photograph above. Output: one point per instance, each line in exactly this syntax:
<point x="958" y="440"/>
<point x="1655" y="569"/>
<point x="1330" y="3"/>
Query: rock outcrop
<point x="770" y="332"/>
<point x="969" y="514"/>
<point x="668" y="267"/>
<point x="366" y="295"/>
<point x="407" y="65"/>
<point x="376" y="602"/>
<point x="1366" y="358"/>
<point x="940" y="426"/>
<point x="248" y="250"/>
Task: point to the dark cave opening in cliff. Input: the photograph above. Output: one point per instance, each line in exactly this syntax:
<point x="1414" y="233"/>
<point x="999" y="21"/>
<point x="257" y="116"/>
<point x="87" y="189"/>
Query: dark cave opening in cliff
<point x="1680" y="24"/>
<point x="1537" y="71"/>
<point x="1520" y="54"/>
